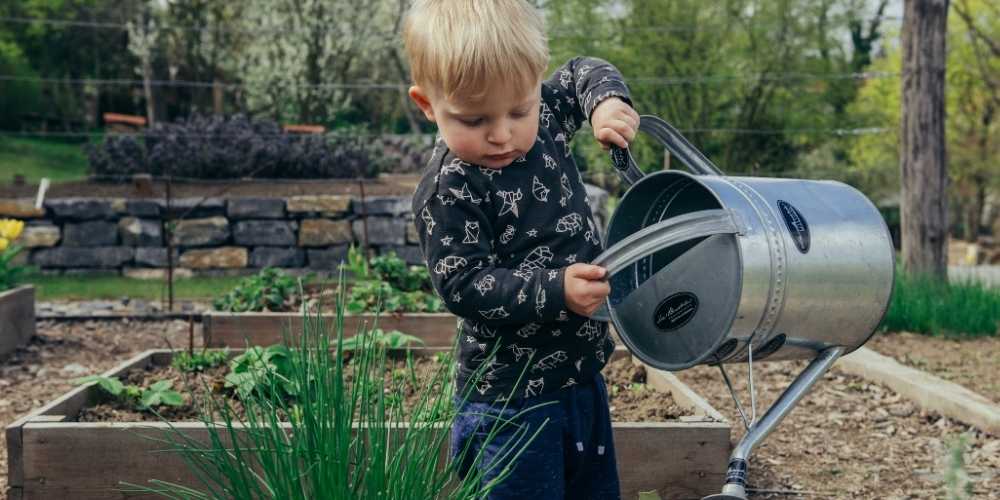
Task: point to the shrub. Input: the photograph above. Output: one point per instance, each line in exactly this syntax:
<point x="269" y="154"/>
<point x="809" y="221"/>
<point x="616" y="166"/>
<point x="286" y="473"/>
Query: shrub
<point x="217" y="147"/>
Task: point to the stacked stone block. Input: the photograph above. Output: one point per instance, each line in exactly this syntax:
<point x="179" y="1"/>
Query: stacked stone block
<point x="215" y="235"/>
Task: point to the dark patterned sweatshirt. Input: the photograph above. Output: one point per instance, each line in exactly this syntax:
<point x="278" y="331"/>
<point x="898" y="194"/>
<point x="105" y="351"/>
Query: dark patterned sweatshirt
<point x="497" y="243"/>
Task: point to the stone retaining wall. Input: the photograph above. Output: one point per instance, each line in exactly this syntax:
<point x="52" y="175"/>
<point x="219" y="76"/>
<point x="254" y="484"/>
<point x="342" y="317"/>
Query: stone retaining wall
<point x="217" y="236"/>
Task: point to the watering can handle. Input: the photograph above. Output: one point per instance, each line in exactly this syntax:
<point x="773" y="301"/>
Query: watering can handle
<point x="664" y="234"/>
<point x="671" y="139"/>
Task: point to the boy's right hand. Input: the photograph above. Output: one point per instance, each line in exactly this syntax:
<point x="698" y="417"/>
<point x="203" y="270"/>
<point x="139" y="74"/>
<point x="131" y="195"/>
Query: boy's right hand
<point x="585" y="288"/>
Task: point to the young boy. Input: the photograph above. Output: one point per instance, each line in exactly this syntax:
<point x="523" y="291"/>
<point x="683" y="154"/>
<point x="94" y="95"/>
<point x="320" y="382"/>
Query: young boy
<point x="506" y="230"/>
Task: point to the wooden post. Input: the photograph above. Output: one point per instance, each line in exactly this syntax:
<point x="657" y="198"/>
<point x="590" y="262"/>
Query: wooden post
<point x="923" y="157"/>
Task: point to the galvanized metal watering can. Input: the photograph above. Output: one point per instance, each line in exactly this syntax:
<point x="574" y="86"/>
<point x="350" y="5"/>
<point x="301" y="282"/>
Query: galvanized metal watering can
<point x="712" y="269"/>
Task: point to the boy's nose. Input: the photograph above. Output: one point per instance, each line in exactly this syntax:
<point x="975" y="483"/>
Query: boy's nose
<point x="499" y="134"/>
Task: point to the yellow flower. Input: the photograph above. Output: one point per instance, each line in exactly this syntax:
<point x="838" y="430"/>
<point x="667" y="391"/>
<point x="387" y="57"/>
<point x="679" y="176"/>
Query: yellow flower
<point x="10" y="229"/>
<point x="3" y="244"/>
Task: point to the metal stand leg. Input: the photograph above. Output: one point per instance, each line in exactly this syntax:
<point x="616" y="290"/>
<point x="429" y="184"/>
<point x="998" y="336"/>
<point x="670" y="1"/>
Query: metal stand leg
<point x="736" y="476"/>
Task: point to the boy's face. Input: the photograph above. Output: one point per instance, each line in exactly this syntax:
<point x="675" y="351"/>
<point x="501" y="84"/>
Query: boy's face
<point x="491" y="132"/>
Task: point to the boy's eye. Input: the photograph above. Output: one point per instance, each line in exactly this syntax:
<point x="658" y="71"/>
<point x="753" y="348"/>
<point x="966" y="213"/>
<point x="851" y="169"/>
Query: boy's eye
<point x="471" y="122"/>
<point x="519" y="114"/>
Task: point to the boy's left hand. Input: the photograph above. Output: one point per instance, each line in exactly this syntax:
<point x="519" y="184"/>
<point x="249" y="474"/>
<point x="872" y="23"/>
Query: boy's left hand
<point x="614" y="122"/>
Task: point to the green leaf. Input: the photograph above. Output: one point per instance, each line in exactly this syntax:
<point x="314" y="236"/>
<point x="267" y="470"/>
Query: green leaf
<point x="161" y="385"/>
<point x="150" y="399"/>
<point x="172" y="398"/>
<point x="110" y="385"/>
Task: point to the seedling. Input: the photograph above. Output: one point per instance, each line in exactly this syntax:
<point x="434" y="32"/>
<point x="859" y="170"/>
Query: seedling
<point x="137" y="397"/>
<point x="199" y="361"/>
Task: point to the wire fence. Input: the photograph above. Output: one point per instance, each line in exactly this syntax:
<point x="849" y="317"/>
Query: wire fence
<point x="266" y="30"/>
<point x="842" y="132"/>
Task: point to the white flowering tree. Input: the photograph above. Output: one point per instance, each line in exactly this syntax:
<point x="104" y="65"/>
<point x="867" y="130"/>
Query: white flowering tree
<point x="305" y="51"/>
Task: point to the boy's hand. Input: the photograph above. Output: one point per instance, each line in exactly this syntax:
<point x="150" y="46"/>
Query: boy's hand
<point x="614" y="122"/>
<point x="585" y="289"/>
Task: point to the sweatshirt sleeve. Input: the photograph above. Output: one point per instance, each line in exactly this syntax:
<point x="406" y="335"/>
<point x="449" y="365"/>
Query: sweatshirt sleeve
<point x="456" y="237"/>
<point x="570" y="95"/>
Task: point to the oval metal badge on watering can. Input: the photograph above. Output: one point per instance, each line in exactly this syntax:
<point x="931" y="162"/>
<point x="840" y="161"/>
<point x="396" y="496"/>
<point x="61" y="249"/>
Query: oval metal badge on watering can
<point x="675" y="311"/>
<point x="796" y="225"/>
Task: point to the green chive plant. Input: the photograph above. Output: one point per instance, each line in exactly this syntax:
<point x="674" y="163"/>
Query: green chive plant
<point x="341" y="433"/>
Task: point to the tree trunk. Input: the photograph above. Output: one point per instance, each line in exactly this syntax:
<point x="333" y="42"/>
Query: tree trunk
<point x="147" y="87"/>
<point x="923" y="158"/>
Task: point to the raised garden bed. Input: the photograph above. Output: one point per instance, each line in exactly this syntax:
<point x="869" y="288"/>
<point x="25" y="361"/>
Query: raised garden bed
<point x="681" y="458"/>
<point x="235" y="330"/>
<point x="17" y="318"/>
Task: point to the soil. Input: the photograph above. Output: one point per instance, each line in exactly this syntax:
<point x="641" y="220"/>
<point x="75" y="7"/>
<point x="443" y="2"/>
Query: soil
<point x="972" y="363"/>
<point x="631" y="399"/>
<point x="388" y="185"/>
<point x="65" y="350"/>
<point x="848" y="438"/>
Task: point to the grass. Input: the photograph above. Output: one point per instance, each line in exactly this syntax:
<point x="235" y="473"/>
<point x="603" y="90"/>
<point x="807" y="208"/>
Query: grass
<point x="924" y="305"/>
<point x="115" y="287"/>
<point x="34" y="158"/>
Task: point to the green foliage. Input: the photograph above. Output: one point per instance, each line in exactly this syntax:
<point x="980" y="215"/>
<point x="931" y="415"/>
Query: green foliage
<point x="17" y="98"/>
<point x="356" y="265"/>
<point x="393" y="339"/>
<point x="393" y="270"/>
<point x="10" y="275"/>
<point x="199" y="361"/>
<point x="263" y="370"/>
<point x="64" y="50"/>
<point x="160" y="394"/>
<point x="346" y="434"/>
<point x="387" y="284"/>
<point x="10" y="231"/>
<point x="926" y="305"/>
<point x="142" y="399"/>
<point x="269" y="290"/>
<point x="742" y="66"/>
<point x="375" y="295"/>
<point x="971" y="100"/>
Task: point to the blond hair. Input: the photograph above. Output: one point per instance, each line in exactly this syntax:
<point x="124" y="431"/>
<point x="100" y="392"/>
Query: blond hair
<point x="463" y="47"/>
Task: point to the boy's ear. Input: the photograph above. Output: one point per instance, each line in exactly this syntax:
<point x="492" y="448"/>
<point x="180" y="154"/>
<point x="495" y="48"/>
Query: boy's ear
<point x="422" y="101"/>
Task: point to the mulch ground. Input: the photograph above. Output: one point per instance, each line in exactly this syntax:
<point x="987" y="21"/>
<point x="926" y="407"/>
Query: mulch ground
<point x="848" y="438"/>
<point x="973" y="363"/>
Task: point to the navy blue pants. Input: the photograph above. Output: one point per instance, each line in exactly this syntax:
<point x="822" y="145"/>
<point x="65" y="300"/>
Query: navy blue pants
<point x="572" y="456"/>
